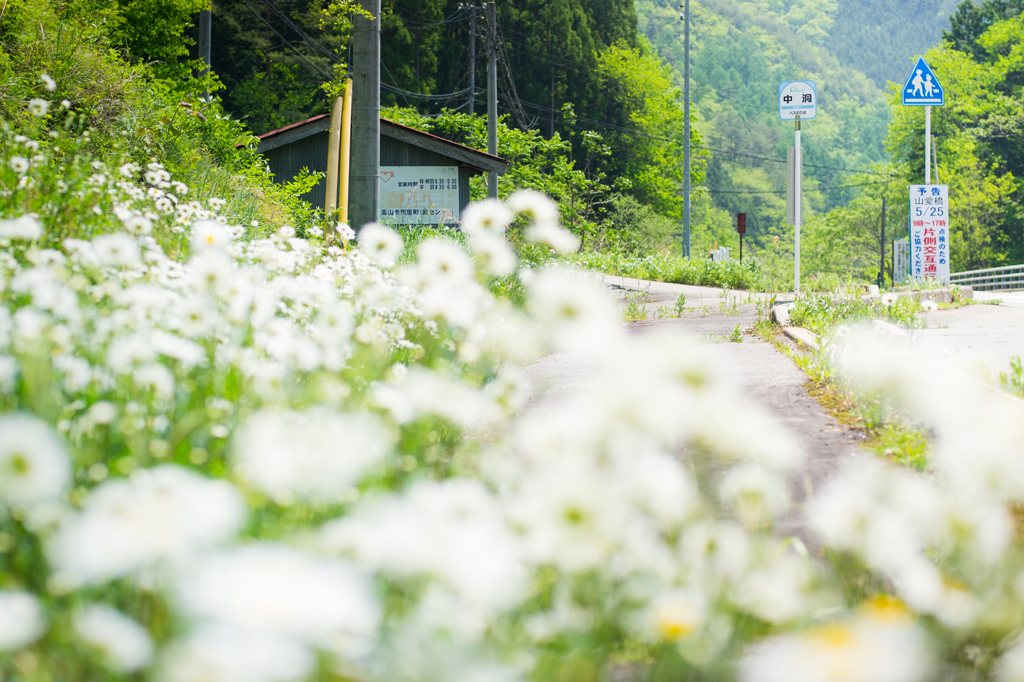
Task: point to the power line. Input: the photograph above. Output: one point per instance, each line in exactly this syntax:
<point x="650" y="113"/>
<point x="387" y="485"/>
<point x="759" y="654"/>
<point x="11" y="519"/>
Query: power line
<point x="717" y="190"/>
<point x="517" y="107"/>
<point x="417" y="95"/>
<point x="512" y="97"/>
<point x="427" y="24"/>
<point x="287" y="42"/>
<point x="306" y="38"/>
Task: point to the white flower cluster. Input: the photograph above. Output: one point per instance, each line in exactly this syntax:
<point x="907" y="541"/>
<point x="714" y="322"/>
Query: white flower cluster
<point x="274" y="460"/>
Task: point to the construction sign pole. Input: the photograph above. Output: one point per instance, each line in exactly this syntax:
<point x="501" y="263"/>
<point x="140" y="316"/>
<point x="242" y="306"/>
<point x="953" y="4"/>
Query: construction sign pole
<point x="927" y="145"/>
<point x="741" y="229"/>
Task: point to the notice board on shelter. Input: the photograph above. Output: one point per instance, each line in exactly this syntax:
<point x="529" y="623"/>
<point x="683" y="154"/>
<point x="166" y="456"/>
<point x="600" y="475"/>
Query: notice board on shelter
<point x="419" y="195"/>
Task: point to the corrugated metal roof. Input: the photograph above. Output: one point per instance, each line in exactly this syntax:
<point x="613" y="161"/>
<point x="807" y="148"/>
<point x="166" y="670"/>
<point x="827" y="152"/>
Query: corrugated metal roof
<point x="408" y="134"/>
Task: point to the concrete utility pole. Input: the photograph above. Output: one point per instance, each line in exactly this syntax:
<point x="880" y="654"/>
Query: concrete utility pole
<point x="492" y="94"/>
<point x="205" y="39"/>
<point x="686" y="125"/>
<point x="365" y="175"/>
<point x="472" y="57"/>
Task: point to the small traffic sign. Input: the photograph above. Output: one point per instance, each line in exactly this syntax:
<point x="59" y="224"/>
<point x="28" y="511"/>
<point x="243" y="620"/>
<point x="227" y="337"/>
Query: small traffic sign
<point x="922" y="89"/>
<point x="798" y="98"/>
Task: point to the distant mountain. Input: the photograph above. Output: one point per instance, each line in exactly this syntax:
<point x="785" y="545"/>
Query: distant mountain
<point x="742" y="49"/>
<point x="878" y="37"/>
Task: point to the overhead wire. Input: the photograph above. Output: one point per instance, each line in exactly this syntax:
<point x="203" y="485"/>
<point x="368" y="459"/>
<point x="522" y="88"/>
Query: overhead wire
<point x="306" y="38"/>
<point x="417" y="95"/>
<point x="512" y="96"/>
<point x="517" y="108"/>
<point x="719" y="190"/>
<point x="451" y="19"/>
<point x="287" y="42"/>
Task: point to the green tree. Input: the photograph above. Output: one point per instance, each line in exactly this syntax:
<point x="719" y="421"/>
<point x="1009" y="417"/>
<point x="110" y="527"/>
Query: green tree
<point x="159" y="32"/>
<point x="970" y="22"/>
<point x="976" y="148"/>
<point x="649" y="152"/>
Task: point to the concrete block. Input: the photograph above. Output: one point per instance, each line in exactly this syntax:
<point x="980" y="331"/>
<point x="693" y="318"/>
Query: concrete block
<point x="801" y="335"/>
<point x="780" y="314"/>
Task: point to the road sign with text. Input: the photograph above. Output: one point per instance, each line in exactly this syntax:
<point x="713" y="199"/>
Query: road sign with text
<point x="798" y="98"/>
<point x="929" y="232"/>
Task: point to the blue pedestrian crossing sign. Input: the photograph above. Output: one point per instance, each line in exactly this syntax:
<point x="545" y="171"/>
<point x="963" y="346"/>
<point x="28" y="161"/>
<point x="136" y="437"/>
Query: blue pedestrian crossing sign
<point x="922" y="88"/>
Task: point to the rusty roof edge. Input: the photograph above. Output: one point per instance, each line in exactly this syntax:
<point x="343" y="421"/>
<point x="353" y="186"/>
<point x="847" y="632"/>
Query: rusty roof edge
<point x="445" y="140"/>
<point x="291" y="127"/>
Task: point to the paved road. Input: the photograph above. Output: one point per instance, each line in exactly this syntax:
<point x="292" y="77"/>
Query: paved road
<point x="665" y="294"/>
<point x="765" y="374"/>
<point x="979" y="337"/>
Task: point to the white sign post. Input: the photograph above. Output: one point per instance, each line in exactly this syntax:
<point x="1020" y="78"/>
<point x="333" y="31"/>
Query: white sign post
<point x="419" y="195"/>
<point x="929" y="232"/>
<point x="901" y="261"/>
<point x="922" y="89"/>
<point x="798" y="100"/>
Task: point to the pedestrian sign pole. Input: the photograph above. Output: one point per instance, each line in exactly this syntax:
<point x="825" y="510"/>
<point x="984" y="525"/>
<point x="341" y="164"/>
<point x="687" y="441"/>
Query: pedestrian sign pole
<point x="798" y="101"/>
<point x="927" y="144"/>
<point x="929" y="204"/>
<point x="922" y="89"/>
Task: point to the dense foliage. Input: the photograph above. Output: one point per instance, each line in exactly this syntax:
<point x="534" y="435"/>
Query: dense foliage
<point x="232" y="451"/>
<point x="978" y="143"/>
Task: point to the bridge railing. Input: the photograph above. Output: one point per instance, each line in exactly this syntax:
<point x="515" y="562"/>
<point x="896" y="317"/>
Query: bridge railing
<point x="1006" y="278"/>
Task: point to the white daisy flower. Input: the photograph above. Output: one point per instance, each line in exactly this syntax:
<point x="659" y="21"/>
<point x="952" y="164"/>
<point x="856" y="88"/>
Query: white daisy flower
<point x="25" y="227"/>
<point x="117" y="250"/>
<point x="125" y="645"/>
<point x="38" y="107"/>
<point x="19" y="164"/>
<point x="315" y="454"/>
<point x="380" y="244"/>
<point x="164" y="514"/>
<point x="34" y="466"/>
<point x="489" y="216"/>
<point x="21" y="620"/>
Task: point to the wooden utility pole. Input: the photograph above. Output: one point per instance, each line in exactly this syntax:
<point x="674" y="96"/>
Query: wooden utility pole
<point x="333" y="155"/>
<point x="365" y="178"/>
<point x="346" y="153"/>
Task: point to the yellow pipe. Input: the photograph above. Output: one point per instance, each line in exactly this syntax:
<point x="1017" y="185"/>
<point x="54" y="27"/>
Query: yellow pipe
<point x="346" y="153"/>
<point x="332" y="165"/>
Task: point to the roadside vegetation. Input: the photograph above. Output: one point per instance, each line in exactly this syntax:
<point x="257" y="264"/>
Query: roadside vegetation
<point x="232" y="450"/>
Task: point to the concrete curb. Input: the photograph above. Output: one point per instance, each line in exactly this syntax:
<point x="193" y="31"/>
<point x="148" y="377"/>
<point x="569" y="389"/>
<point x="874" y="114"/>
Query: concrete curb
<point x="801" y="335"/>
<point x="937" y="295"/>
<point x="780" y="315"/>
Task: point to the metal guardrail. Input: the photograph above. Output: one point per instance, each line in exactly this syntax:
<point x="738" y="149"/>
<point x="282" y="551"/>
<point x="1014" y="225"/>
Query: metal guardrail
<point x="1006" y="278"/>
